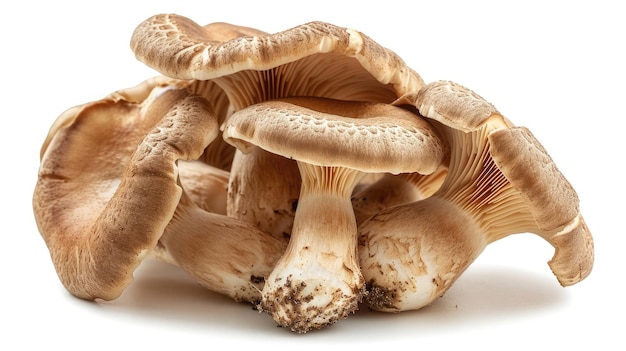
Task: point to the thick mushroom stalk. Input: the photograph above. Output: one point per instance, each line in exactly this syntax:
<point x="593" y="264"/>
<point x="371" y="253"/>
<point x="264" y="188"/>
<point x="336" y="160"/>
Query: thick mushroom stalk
<point x="500" y="181"/>
<point x="318" y="281"/>
<point x="221" y="253"/>
<point x="107" y="184"/>
<point x="314" y="59"/>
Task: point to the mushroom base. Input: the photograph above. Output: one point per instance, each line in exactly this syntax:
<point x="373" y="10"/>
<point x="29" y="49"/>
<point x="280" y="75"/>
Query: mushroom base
<point x="317" y="281"/>
<point x="410" y="255"/>
<point x="302" y="305"/>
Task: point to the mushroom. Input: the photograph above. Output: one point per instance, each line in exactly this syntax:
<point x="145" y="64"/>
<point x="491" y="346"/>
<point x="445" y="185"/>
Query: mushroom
<point x="500" y="181"/>
<point x="117" y="182"/>
<point x="318" y="280"/>
<point x="107" y="184"/>
<point x="314" y="59"/>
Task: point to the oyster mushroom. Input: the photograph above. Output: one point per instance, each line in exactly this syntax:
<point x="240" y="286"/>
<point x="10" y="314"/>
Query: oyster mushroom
<point x="500" y="181"/>
<point x="107" y="183"/>
<point x="109" y="193"/>
<point x="315" y="59"/>
<point x="318" y="280"/>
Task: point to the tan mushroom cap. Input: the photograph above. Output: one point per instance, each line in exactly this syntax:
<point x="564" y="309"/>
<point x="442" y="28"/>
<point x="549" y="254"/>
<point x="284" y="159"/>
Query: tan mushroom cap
<point x="551" y="199"/>
<point x="369" y="137"/>
<point x="547" y="194"/>
<point x="218" y="154"/>
<point x="453" y="105"/>
<point x="107" y="184"/>
<point x="500" y="181"/>
<point x="180" y="48"/>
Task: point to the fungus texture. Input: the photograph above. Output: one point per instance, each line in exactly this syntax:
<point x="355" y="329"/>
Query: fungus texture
<point x="305" y="172"/>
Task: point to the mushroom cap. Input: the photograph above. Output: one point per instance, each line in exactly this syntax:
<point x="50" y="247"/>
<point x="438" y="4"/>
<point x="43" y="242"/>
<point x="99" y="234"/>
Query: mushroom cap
<point x="524" y="163"/>
<point x="107" y="182"/>
<point x="178" y="47"/>
<point x="527" y="165"/>
<point x="453" y="105"/>
<point x="370" y="137"/>
<point x="550" y="198"/>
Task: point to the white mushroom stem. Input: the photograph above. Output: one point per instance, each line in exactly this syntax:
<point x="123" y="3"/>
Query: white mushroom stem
<point x="318" y="280"/>
<point x="411" y="254"/>
<point x="263" y="190"/>
<point x="207" y="186"/>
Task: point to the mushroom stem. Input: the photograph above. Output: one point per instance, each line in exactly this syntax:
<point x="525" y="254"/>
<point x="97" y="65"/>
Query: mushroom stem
<point x="318" y="281"/>
<point x="263" y="191"/>
<point x="411" y="254"/>
<point x="335" y="143"/>
<point x="223" y="254"/>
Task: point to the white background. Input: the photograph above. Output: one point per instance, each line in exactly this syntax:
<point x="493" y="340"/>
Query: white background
<point x="555" y="67"/>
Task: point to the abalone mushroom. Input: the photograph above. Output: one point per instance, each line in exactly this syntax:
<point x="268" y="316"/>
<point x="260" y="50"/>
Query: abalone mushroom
<point x="107" y="184"/>
<point x="318" y="280"/>
<point x="314" y="59"/>
<point x="500" y="181"/>
<point x="109" y="193"/>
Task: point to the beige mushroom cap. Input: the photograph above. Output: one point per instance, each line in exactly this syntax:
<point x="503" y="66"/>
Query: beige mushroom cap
<point x="314" y="59"/>
<point x="178" y="47"/>
<point x="547" y="195"/>
<point x="369" y="137"/>
<point x="550" y="198"/>
<point x="107" y="184"/>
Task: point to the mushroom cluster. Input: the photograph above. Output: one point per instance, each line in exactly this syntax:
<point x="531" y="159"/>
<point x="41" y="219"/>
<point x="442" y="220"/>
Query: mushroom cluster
<point x="307" y="172"/>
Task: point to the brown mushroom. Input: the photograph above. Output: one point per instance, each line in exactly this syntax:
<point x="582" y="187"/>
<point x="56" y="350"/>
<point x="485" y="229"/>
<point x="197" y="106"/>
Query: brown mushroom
<point x="114" y="185"/>
<point x="318" y="280"/>
<point x="314" y="59"/>
<point x="500" y="181"/>
<point x="107" y="184"/>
